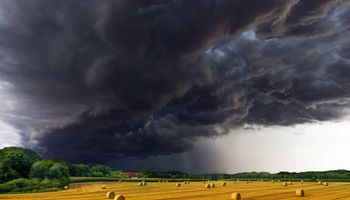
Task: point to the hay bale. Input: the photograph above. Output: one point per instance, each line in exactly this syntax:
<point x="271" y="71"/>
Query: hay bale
<point x="236" y="196"/>
<point x="144" y="183"/>
<point x="302" y="181"/>
<point x="247" y="182"/>
<point x="223" y="183"/>
<point x="233" y="182"/>
<point x="120" y="181"/>
<point x="290" y="183"/>
<point x="320" y="182"/>
<point x="212" y="185"/>
<point x="141" y="184"/>
<point x="250" y="181"/>
<point x="110" y="195"/>
<point x="103" y="186"/>
<point x="285" y="184"/>
<point x="273" y="181"/>
<point x="66" y="187"/>
<point x="119" y="197"/>
<point x="188" y="182"/>
<point x="178" y="184"/>
<point x="279" y="181"/>
<point x="300" y="193"/>
<point x="207" y="186"/>
<point x="325" y="184"/>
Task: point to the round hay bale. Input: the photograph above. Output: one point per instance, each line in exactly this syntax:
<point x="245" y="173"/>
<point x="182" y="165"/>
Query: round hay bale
<point x="325" y="184"/>
<point x="120" y="181"/>
<point x="103" y="186"/>
<point x="178" y="184"/>
<point x="233" y="182"/>
<point x="285" y="184"/>
<point x="302" y="181"/>
<point x="238" y="180"/>
<point x="66" y="187"/>
<point x="320" y="182"/>
<point x="300" y="193"/>
<point x="250" y="181"/>
<point x="119" y="197"/>
<point x="273" y="181"/>
<point x="247" y="182"/>
<point x="144" y="183"/>
<point x="188" y="182"/>
<point x="236" y="196"/>
<point x="279" y="181"/>
<point x="223" y="183"/>
<point x="290" y="183"/>
<point x="204" y="182"/>
<point x="207" y="186"/>
<point x="212" y="185"/>
<point x="110" y="195"/>
<point x="140" y="184"/>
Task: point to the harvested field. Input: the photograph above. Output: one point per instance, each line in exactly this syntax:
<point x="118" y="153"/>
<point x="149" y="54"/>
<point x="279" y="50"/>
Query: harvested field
<point x="195" y="190"/>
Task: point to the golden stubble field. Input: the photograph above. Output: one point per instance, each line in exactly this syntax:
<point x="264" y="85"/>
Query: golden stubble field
<point x="194" y="190"/>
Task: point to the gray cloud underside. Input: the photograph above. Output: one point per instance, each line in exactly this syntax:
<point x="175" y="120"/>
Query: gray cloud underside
<point x="96" y="81"/>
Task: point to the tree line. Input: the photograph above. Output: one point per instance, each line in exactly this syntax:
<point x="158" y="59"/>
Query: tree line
<point x="23" y="170"/>
<point x="343" y="175"/>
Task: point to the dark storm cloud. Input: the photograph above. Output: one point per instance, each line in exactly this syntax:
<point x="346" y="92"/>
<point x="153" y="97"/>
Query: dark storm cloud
<point x="96" y="81"/>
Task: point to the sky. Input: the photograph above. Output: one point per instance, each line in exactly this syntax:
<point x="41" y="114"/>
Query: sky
<point x="199" y="86"/>
<point x="300" y="148"/>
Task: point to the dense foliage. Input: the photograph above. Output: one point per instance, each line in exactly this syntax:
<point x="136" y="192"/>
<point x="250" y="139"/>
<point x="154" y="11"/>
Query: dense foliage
<point x="83" y="170"/>
<point x="50" y="169"/>
<point x="16" y="163"/>
<point x="22" y="170"/>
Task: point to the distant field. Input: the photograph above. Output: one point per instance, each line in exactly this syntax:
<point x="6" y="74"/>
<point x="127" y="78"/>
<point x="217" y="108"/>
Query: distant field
<point x="108" y="179"/>
<point x="192" y="191"/>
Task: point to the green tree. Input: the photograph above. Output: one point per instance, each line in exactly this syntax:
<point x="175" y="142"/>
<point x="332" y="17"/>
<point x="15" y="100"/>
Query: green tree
<point x="100" y="170"/>
<point x="16" y="162"/>
<point x="58" y="171"/>
<point x="79" y="170"/>
<point x="40" y="169"/>
<point x="49" y="169"/>
<point x="6" y="172"/>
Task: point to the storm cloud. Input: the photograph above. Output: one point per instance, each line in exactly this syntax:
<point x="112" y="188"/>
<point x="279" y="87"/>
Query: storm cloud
<point x="92" y="81"/>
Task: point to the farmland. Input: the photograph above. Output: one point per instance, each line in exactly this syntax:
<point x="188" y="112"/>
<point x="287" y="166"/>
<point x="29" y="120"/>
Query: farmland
<point x="195" y="190"/>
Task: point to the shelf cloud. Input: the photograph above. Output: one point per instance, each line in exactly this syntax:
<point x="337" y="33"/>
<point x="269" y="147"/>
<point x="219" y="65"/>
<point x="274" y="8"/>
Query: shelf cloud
<point x="96" y="81"/>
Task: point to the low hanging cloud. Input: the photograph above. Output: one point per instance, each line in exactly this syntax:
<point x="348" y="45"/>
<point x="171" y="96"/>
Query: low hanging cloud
<point x="98" y="81"/>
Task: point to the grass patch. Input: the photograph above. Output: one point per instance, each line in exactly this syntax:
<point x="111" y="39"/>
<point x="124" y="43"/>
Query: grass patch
<point x="23" y="185"/>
